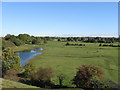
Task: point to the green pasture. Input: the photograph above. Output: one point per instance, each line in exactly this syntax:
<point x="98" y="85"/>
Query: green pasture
<point x="65" y="59"/>
<point x="24" y="47"/>
<point x="12" y="84"/>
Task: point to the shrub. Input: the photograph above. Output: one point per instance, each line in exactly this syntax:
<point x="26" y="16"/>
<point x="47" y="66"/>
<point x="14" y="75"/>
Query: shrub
<point x="10" y="60"/>
<point x="16" y="41"/>
<point x="12" y="75"/>
<point x="29" y="69"/>
<point x="61" y="77"/>
<point x="42" y="78"/>
<point x="6" y="44"/>
<point x="36" y="41"/>
<point x="100" y="84"/>
<point x="67" y="44"/>
<point x="86" y="74"/>
<point x="100" y="44"/>
<point x="45" y="41"/>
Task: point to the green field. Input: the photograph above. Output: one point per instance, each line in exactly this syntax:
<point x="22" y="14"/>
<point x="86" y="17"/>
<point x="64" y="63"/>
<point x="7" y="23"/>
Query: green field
<point x="65" y="59"/>
<point x="24" y="47"/>
<point x="12" y="84"/>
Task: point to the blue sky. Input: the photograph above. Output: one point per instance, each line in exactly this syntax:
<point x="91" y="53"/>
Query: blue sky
<point x="60" y="19"/>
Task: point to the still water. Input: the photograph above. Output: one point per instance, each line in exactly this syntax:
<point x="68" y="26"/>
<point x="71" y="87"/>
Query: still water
<point x="25" y="56"/>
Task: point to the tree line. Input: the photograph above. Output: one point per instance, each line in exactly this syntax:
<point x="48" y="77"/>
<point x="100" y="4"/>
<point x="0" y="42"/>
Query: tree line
<point x="90" y="39"/>
<point x="69" y="44"/>
<point x="108" y="45"/>
<point x="21" y="39"/>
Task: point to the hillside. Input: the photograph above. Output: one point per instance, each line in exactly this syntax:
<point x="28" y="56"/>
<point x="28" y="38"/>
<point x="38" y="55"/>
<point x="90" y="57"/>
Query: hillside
<point x="12" y="84"/>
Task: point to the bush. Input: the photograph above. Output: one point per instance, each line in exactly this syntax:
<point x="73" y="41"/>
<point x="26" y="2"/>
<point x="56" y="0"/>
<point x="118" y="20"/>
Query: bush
<point x="6" y="44"/>
<point x="16" y="41"/>
<point x="86" y="74"/>
<point x="10" y="60"/>
<point x="45" y="41"/>
<point x="100" y="84"/>
<point x="42" y="78"/>
<point x="12" y="75"/>
<point x="36" y="41"/>
<point x="61" y="77"/>
<point x="29" y="69"/>
<point x="67" y="44"/>
<point x="100" y="44"/>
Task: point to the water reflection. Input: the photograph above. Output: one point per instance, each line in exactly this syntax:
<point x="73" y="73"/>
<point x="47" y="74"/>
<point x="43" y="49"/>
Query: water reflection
<point x="28" y="54"/>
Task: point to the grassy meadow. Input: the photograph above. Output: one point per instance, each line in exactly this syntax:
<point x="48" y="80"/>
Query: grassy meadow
<point x="65" y="59"/>
<point x="12" y="84"/>
<point x="24" y="47"/>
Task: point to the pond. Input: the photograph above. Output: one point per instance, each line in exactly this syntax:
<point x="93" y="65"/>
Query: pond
<point x="26" y="55"/>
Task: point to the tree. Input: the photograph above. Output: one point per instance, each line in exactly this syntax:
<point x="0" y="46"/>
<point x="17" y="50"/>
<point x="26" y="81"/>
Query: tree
<point x="45" y="41"/>
<point x="100" y="44"/>
<point x="59" y="39"/>
<point x="86" y="74"/>
<point x="67" y="44"/>
<point x="16" y="41"/>
<point x="13" y="39"/>
<point x="36" y="40"/>
<point x="61" y="77"/>
<point x="7" y="43"/>
<point x="10" y="60"/>
<point x="7" y="37"/>
<point x="42" y="77"/>
<point x="12" y="75"/>
<point x="25" y="38"/>
<point x="29" y="69"/>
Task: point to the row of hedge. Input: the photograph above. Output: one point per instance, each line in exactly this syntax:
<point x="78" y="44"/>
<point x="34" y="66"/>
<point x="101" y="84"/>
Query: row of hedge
<point x="67" y="44"/>
<point x="109" y="45"/>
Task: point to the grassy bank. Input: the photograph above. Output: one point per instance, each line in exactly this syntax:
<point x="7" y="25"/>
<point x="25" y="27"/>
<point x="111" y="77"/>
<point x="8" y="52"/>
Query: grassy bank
<point x="65" y="59"/>
<point x="12" y="84"/>
<point x="25" y="47"/>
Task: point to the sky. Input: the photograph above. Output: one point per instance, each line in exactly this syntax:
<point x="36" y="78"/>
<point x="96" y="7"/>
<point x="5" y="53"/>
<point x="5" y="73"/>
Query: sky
<point x="60" y="18"/>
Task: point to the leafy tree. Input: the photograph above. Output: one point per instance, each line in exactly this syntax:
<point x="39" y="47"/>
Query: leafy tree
<point x="67" y="44"/>
<point x="59" y="39"/>
<point x="42" y="77"/>
<point x="7" y="37"/>
<point x="29" y="69"/>
<point x="12" y="75"/>
<point x="7" y="43"/>
<point x="13" y="39"/>
<point x="61" y="77"/>
<point x="86" y="74"/>
<point x="45" y="41"/>
<point x="100" y="84"/>
<point x="100" y="44"/>
<point x="26" y="38"/>
<point x="16" y="41"/>
<point x="36" y="40"/>
<point x="10" y="60"/>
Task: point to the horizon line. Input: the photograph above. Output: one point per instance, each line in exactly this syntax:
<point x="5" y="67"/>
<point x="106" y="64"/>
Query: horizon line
<point x="63" y="35"/>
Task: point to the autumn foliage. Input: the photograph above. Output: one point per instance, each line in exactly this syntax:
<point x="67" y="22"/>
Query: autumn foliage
<point x="86" y="74"/>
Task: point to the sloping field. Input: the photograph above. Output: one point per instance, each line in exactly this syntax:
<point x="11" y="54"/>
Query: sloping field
<point x="12" y="84"/>
<point x="65" y="59"/>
